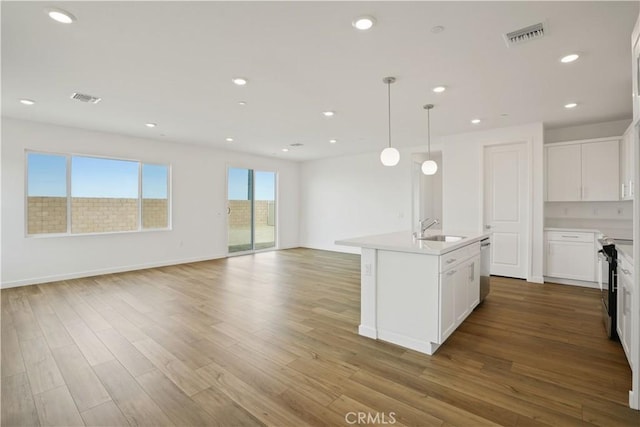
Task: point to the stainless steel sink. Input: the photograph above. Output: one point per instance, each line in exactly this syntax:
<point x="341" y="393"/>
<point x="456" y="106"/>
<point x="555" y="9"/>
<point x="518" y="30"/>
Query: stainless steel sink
<point x="441" y="238"/>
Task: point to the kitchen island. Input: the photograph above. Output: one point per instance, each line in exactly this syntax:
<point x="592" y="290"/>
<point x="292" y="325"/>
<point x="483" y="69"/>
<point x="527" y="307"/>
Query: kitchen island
<point x="415" y="293"/>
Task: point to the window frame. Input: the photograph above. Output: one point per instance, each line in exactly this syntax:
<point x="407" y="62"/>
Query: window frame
<point x="68" y="157"/>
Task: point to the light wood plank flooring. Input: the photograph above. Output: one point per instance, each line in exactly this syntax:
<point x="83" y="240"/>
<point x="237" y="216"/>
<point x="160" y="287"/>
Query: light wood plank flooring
<point x="271" y="339"/>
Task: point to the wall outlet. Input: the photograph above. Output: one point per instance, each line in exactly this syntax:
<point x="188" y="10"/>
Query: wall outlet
<point x="367" y="269"/>
<point x="620" y="211"/>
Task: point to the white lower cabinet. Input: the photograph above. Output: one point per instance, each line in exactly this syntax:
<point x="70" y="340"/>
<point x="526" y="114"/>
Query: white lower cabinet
<point x="448" y="285"/>
<point x="460" y="290"/>
<point x="420" y="299"/>
<point x="625" y="292"/>
<point x="570" y="255"/>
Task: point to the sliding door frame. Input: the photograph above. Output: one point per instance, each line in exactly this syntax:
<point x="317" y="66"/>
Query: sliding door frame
<point x="253" y="249"/>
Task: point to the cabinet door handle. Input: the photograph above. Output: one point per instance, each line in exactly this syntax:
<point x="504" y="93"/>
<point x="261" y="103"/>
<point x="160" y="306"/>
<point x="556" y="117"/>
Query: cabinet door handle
<point x="570" y="237"/>
<point x="625" y="271"/>
<point x="451" y="260"/>
<point x="472" y="272"/>
<point x="451" y="273"/>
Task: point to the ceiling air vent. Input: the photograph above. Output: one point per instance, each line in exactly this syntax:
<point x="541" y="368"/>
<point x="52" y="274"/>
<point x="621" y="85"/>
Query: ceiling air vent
<point x="526" y="34"/>
<point x="86" y="98"/>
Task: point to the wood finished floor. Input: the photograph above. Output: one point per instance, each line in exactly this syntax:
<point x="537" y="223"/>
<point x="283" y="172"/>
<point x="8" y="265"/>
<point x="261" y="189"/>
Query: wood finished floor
<point x="271" y="339"/>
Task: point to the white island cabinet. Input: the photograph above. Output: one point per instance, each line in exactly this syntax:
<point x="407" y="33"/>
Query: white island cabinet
<point x="415" y="293"/>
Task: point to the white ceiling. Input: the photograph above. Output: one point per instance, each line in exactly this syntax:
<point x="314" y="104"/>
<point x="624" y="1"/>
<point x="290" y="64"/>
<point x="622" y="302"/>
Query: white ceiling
<point x="172" y="63"/>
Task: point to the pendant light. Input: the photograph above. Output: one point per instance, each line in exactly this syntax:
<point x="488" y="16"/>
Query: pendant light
<point x="389" y="156"/>
<point x="429" y="167"/>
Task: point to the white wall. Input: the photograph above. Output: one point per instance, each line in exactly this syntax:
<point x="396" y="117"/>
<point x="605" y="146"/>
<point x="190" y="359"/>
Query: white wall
<point x="198" y="196"/>
<point x="614" y="219"/>
<point x="588" y="131"/>
<point x="463" y="182"/>
<point x="429" y="191"/>
<point x="355" y="195"/>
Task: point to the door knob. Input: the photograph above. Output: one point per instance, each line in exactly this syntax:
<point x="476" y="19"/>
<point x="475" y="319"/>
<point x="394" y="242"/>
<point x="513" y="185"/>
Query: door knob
<point x="487" y="226"/>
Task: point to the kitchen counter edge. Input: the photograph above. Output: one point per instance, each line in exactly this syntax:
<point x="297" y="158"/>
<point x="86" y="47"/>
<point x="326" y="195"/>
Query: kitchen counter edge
<point x="403" y="241"/>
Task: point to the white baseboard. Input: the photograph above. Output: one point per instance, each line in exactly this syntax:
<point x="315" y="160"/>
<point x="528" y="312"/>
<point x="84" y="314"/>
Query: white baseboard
<point x="408" y="342"/>
<point x="571" y="282"/>
<point x="536" y="279"/>
<point x="367" y="331"/>
<point x="110" y="270"/>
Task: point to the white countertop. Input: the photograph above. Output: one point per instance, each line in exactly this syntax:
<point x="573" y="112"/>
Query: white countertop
<point x="572" y="230"/>
<point x="403" y="241"/>
<point x="626" y="250"/>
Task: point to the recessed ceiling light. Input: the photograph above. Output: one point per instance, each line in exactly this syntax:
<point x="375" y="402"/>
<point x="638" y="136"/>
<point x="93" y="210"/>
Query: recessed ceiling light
<point x="437" y="29"/>
<point x="570" y="105"/>
<point x="242" y="103"/>
<point x="285" y="149"/>
<point x="27" y="101"/>
<point x="363" y="23"/>
<point x="229" y="139"/>
<point x="150" y="125"/>
<point x="333" y="141"/>
<point x="328" y="113"/>
<point x="439" y="89"/>
<point x="569" y="58"/>
<point x="240" y="81"/>
<point x="60" y="15"/>
<point x="475" y="121"/>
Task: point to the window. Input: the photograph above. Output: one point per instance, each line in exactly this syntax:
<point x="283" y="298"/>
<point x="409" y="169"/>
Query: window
<point x="104" y="195"/>
<point x="80" y="194"/>
<point x="155" y="200"/>
<point x="46" y="193"/>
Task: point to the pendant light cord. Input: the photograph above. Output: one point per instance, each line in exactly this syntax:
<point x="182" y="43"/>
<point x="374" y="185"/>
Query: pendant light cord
<point x="389" y="109"/>
<point x="428" y="134"/>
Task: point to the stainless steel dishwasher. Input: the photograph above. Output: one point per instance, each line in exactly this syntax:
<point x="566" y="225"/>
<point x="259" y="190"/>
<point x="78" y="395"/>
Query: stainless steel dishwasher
<point x="485" y="263"/>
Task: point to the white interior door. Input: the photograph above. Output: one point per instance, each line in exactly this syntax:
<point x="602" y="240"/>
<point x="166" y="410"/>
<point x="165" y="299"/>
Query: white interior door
<point x="506" y="208"/>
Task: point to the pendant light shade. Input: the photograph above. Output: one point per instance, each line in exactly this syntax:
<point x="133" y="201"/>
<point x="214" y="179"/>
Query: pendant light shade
<point x="389" y="156"/>
<point x="429" y="167"/>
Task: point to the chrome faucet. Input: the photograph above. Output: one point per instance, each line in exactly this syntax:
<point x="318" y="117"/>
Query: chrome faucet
<point x="424" y="227"/>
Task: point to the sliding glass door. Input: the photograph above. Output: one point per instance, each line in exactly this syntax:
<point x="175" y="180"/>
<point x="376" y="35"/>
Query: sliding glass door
<point x="251" y="210"/>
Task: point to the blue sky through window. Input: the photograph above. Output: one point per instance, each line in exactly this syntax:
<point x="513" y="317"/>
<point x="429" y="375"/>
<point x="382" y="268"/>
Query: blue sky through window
<point x="47" y="176"/>
<point x="154" y="181"/>
<point x="239" y="189"/>
<point x="95" y="177"/>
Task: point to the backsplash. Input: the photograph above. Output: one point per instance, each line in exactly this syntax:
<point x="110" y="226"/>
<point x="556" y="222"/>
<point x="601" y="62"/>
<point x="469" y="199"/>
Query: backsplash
<point x="614" y="219"/>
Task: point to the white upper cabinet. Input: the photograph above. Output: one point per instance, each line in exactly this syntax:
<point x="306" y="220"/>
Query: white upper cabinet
<point x="635" y="73"/>
<point x="564" y="173"/>
<point x="627" y="183"/>
<point x="583" y="171"/>
<point x="600" y="171"/>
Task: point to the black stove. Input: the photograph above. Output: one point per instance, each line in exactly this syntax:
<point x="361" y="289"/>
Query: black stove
<point x="608" y="256"/>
